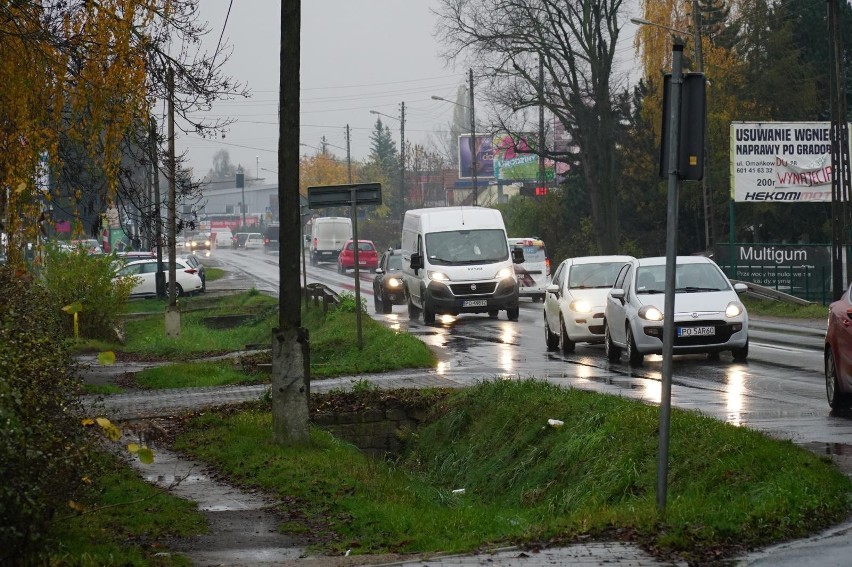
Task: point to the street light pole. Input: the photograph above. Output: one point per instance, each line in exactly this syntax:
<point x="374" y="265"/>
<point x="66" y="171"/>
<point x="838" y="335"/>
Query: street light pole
<point x="473" y="140"/>
<point x="401" y="121"/>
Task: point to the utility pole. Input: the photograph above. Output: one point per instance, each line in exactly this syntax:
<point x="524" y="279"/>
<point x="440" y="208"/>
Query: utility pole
<point x="159" y="276"/>
<point x="172" y="311"/>
<point x="348" y="155"/>
<point x="290" y="347"/>
<point x="541" y="171"/>
<point x="401" y="161"/>
<point x="705" y="190"/>
<point x="473" y="140"/>
<point x="840" y="177"/>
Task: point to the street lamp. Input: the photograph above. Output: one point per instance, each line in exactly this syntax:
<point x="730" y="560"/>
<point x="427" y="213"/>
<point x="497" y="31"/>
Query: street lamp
<point x="472" y="134"/>
<point x="401" y="121"/>
<point x="699" y="61"/>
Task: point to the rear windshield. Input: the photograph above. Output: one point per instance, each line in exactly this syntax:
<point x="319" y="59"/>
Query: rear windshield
<point x="362" y="247"/>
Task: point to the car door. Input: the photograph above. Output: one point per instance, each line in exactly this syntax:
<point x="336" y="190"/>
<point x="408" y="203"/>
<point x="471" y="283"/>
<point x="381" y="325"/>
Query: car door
<point x="552" y="300"/>
<point x="616" y="308"/>
<point x="843" y="337"/>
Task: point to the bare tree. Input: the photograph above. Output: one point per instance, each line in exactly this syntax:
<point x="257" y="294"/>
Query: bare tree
<point x="574" y="41"/>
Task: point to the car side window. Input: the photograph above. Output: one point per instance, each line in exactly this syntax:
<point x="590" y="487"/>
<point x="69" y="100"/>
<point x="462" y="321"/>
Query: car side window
<point x="619" y="279"/>
<point x="557" y="277"/>
<point x="628" y="277"/>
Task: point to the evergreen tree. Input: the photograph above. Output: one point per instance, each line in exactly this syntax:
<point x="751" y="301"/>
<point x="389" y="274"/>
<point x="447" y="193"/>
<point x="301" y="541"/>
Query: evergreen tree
<point x="384" y="155"/>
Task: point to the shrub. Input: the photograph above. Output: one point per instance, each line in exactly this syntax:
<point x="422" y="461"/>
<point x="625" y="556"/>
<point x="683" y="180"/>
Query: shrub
<point x="42" y="444"/>
<point x="86" y="278"/>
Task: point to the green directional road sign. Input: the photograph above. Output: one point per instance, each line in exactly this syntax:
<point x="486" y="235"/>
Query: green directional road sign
<point x="344" y="195"/>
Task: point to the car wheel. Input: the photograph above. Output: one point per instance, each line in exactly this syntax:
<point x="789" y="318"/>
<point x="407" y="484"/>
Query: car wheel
<point x="493" y="313"/>
<point x="377" y="305"/>
<point x="203" y="284"/>
<point x="633" y="355"/>
<point x="565" y="342"/>
<point x="428" y="314"/>
<point x="178" y="290"/>
<point x="740" y="354"/>
<point x="613" y="353"/>
<point x="551" y="339"/>
<point x="837" y="400"/>
<point x="513" y="313"/>
<point x="387" y="307"/>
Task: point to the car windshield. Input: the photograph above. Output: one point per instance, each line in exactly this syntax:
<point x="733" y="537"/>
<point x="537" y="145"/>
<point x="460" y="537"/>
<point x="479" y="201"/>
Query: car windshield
<point x="394" y="263"/>
<point x="690" y="278"/>
<point x="483" y="246"/>
<point x="589" y="276"/>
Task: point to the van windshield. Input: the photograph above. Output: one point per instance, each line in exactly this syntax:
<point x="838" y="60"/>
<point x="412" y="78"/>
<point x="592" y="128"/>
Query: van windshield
<point x="456" y="247"/>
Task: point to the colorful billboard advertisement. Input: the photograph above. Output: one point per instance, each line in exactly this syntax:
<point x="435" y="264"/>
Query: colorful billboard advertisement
<point x="787" y="162"/>
<point x="484" y="157"/>
<point x="513" y="161"/>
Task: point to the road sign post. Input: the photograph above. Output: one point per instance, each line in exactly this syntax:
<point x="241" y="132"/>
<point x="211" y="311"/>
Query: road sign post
<point x="350" y="195"/>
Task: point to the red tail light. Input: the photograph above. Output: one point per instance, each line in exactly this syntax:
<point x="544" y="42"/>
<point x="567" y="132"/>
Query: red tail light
<point x="190" y="270"/>
<point x="547" y="263"/>
<point x="315" y="243"/>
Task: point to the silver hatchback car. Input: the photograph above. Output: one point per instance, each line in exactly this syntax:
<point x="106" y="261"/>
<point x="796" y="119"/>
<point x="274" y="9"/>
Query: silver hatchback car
<point x="709" y="316"/>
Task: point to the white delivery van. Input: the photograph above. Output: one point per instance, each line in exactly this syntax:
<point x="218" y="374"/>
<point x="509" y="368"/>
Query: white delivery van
<point x="534" y="274"/>
<point x="328" y="235"/>
<point x="457" y="260"/>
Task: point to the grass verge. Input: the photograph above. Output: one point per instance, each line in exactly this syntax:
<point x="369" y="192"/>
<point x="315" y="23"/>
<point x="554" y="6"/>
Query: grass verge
<point x="125" y="521"/>
<point x="769" y="308"/>
<point x="730" y="488"/>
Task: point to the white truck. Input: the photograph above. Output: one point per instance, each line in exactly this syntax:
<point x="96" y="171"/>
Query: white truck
<point x="457" y="260"/>
<point x="328" y="235"/>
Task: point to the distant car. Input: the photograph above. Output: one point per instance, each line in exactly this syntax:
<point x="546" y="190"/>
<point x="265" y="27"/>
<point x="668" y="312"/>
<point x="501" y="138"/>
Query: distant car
<point x="270" y="238"/>
<point x="90" y="245"/>
<point x="388" y="288"/>
<point x="239" y="239"/>
<point x="223" y="237"/>
<point x="534" y="273"/>
<point x="201" y="241"/>
<point x="576" y="298"/>
<point x="368" y="256"/>
<point x="838" y="353"/>
<point x="187" y="279"/>
<point x="709" y="316"/>
<point x="253" y="240"/>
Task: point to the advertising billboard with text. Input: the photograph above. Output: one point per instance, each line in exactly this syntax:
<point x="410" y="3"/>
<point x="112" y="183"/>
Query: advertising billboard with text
<point x="782" y="162"/>
<point x="484" y="157"/>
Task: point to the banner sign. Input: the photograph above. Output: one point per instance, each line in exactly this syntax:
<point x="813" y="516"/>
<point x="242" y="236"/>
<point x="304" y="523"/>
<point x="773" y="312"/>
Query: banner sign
<point x="484" y="157"/>
<point x="783" y="162"/>
<point x="514" y="162"/>
<point x="798" y="269"/>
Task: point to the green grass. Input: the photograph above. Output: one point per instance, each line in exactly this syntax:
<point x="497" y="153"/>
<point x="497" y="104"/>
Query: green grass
<point x="729" y="487"/>
<point x="126" y="522"/>
<point x="770" y="308"/>
<point x="213" y="274"/>
<point x="333" y="348"/>
<point x="190" y="375"/>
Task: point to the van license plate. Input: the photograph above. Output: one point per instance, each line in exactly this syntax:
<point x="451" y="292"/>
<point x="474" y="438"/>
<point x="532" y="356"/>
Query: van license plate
<point x="696" y="331"/>
<point x="475" y="303"/>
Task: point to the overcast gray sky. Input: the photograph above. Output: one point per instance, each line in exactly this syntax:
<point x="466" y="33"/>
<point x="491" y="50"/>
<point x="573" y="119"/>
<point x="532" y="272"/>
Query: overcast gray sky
<point x="357" y="56"/>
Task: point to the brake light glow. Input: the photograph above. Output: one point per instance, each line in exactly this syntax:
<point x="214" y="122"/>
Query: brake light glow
<point x="547" y="264"/>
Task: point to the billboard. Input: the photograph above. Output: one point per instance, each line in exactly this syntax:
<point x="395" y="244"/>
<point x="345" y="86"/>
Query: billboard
<point x="484" y="157"/>
<point x="782" y="162"/>
<point x="513" y="161"/>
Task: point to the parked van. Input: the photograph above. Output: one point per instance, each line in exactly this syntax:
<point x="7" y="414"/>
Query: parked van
<point x="534" y="274"/>
<point x="328" y="235"/>
<point x="457" y="260"/>
<point x="224" y="237"/>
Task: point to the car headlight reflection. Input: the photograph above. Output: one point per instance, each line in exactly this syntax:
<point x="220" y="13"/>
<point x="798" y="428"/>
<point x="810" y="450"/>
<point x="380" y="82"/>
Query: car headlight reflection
<point x="580" y="306"/>
<point x="438" y="277"/>
<point x="650" y="313"/>
<point x="733" y="309"/>
<point x="505" y="273"/>
<point x="393" y="283"/>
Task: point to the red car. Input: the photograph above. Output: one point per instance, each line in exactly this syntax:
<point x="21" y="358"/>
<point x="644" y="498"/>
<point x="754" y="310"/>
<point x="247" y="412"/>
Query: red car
<point x="838" y="353"/>
<point x="368" y="257"/>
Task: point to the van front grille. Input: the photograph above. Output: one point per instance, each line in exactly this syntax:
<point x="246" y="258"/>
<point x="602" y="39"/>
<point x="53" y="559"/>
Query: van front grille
<point x="473" y="288"/>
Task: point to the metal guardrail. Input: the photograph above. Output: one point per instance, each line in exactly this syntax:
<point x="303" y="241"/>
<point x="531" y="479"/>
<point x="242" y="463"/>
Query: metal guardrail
<point x="762" y="292"/>
<point x="318" y="292"/>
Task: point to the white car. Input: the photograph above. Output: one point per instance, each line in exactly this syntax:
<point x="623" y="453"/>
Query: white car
<point x="709" y="316"/>
<point x="575" y="300"/>
<point x="187" y="279"/>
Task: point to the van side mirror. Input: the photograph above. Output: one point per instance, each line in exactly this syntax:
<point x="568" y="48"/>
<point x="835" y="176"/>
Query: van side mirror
<point x="416" y="262"/>
<point x="517" y="255"/>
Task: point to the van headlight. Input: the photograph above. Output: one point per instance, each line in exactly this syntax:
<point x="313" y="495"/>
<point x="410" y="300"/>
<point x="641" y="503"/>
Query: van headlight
<point x="504" y="273"/>
<point x="650" y="313"/>
<point x="580" y="306"/>
<point x="733" y="309"/>
<point x="438" y="276"/>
